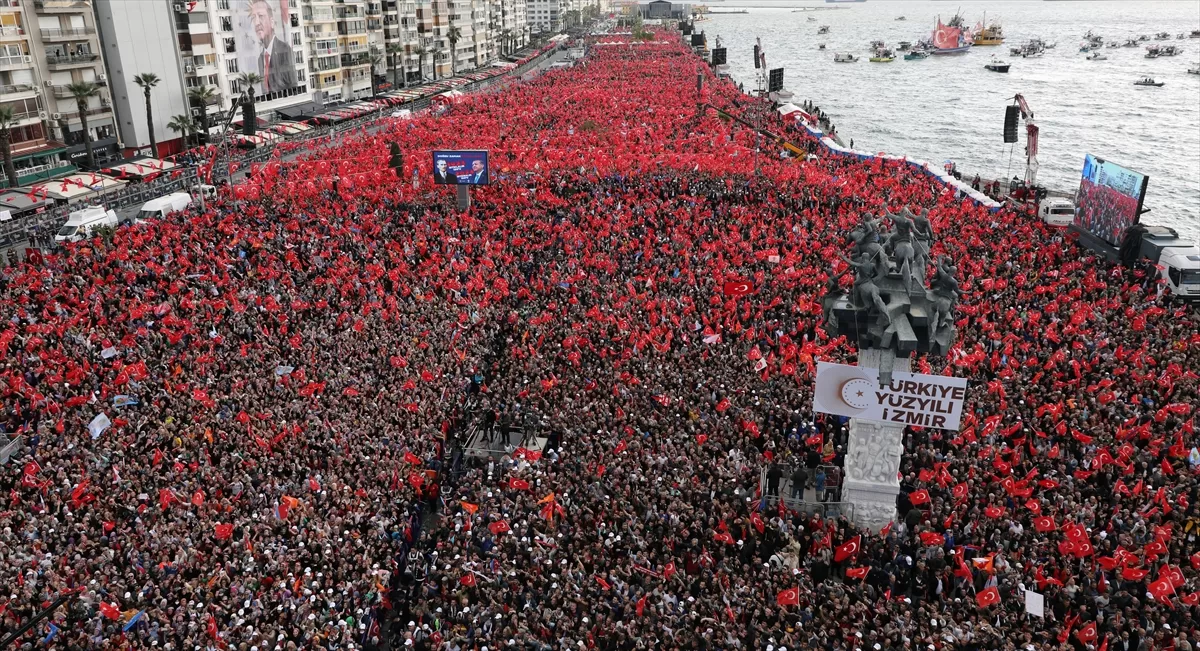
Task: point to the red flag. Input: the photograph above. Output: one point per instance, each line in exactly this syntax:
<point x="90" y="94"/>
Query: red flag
<point x="1166" y="467"/>
<point x="847" y="549"/>
<point x="887" y="528"/>
<point x="1134" y="573"/>
<point x="669" y="570"/>
<point x="736" y="288"/>
<point x="165" y="497"/>
<point x="932" y="539"/>
<point x="409" y="457"/>
<point x="1044" y="524"/>
<point x="499" y="527"/>
<point x="724" y="538"/>
<point x="641" y="605"/>
<point x="198" y="497"/>
<point x="757" y="521"/>
<point x="1087" y="632"/>
<point x="1162" y="590"/>
<point x="224" y="531"/>
<point x="789" y="597"/>
<point x="313" y="485"/>
<point x="469" y="507"/>
<point x="518" y="484"/>
<point x="859" y="573"/>
<point x="919" y="497"/>
<point x="603" y="584"/>
<point x="468" y="580"/>
<point x="110" y="611"/>
<point x="989" y="597"/>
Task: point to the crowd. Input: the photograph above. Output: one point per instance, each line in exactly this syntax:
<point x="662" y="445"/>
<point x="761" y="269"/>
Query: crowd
<point x="1105" y="211"/>
<point x="241" y="421"/>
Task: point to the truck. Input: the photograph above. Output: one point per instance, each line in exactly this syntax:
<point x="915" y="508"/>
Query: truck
<point x="163" y="206"/>
<point x="1177" y="261"/>
<point x="81" y="223"/>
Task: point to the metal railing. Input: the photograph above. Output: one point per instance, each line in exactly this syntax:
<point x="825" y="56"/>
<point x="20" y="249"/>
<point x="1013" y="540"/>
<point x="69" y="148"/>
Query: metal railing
<point x="9" y="89"/>
<point x="72" y="58"/>
<point x="68" y="33"/>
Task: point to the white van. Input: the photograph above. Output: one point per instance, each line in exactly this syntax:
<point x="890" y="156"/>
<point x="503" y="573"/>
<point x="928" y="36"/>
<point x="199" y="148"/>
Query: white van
<point x="1056" y="212"/>
<point x="81" y="223"/>
<point x="163" y="206"/>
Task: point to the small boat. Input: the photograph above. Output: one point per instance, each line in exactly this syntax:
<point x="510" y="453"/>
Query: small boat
<point x="1180" y="36"/>
<point x="899" y="18"/>
<point x="1195" y="33"/>
<point x="1162" y="36"/>
<point x="916" y="55"/>
<point x="997" y="65"/>
<point x="811" y="19"/>
<point x="1114" y="45"/>
<point x="1016" y="50"/>
<point x="904" y="46"/>
<point x="1096" y="56"/>
<point x="1085" y="49"/>
<point x="1143" y="38"/>
<point x="1194" y="70"/>
<point x="879" y="58"/>
<point x="844" y="57"/>
<point x="1152" y="52"/>
<point x="1132" y="42"/>
<point x="1149" y="81"/>
<point x="1169" y="51"/>
<point x="823" y="29"/>
<point x="820" y="46"/>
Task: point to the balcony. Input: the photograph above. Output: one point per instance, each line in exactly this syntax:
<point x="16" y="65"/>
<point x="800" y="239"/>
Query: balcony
<point x="103" y="110"/>
<point x="61" y="6"/>
<point x="64" y="92"/>
<point x="16" y="89"/>
<point x="12" y="33"/>
<point x="26" y="117"/>
<point x="67" y="34"/>
<point x="353" y="48"/>
<point x="18" y="62"/>
<point x="10" y="4"/>
<point x="70" y="61"/>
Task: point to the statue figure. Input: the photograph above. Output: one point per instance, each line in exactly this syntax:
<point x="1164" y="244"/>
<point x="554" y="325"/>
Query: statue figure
<point x="943" y="295"/>
<point x="899" y="242"/>
<point x="866" y="292"/>
<point x="923" y="243"/>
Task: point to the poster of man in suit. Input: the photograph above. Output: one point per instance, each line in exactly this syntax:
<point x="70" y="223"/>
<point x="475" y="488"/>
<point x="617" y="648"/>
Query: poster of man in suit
<point x="264" y="44"/>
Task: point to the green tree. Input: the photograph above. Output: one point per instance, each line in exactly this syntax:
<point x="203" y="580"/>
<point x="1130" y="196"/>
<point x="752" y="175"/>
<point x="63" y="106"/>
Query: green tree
<point x="7" y="118"/>
<point x="82" y="91"/>
<point x="433" y="54"/>
<point x="148" y="80"/>
<point x="420" y="51"/>
<point x="506" y="41"/>
<point x="203" y="95"/>
<point x="182" y="125"/>
<point x="454" y="36"/>
<point x="375" y="57"/>
<point x="394" y="52"/>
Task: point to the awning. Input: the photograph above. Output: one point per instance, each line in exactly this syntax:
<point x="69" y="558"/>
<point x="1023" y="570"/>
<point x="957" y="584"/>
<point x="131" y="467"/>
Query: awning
<point x="301" y="111"/>
<point x="260" y="138"/>
<point x="18" y="201"/>
<point x="77" y="187"/>
<point x="139" y="169"/>
<point x="788" y="109"/>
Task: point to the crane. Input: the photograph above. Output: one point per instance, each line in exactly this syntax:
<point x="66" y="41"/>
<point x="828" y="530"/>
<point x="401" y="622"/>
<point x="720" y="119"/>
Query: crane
<point x="1031" y="141"/>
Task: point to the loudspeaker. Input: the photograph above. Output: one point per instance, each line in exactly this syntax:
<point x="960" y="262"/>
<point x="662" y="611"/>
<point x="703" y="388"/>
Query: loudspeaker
<point x="396" y="160"/>
<point x="1010" y="123"/>
<point x="718" y="56"/>
<point x="756" y="64"/>
<point x="699" y="82"/>
<point x="249" y="120"/>
<point x="697" y="40"/>
<point x="775" y="80"/>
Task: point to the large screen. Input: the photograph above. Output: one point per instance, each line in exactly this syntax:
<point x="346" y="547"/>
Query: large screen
<point x="468" y="167"/>
<point x="1109" y="199"/>
<point x="264" y="43"/>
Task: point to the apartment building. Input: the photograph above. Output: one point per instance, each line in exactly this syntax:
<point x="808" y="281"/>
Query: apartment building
<point x="138" y="37"/>
<point x="546" y="15"/>
<point x="45" y="47"/>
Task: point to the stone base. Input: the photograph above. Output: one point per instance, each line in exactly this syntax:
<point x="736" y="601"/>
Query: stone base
<point x="874" y="503"/>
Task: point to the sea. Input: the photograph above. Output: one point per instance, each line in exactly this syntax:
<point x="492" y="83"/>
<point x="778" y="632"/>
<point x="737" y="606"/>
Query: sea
<point x="949" y="108"/>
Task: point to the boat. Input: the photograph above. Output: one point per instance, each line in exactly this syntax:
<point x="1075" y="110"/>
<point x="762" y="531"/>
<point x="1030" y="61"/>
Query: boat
<point x="1194" y="70"/>
<point x="1096" y="56"/>
<point x="1149" y="81"/>
<point x="1085" y="49"/>
<point x="1195" y="33"/>
<point x="1132" y="42"/>
<point x="1143" y="38"/>
<point x="899" y="18"/>
<point x="1152" y="52"/>
<point x="820" y="46"/>
<point x="904" y="46"/>
<point x="1032" y="48"/>
<point x="1162" y="36"/>
<point x="1113" y="45"/>
<point x="880" y="58"/>
<point x="916" y="55"/>
<point x="1169" y="51"/>
<point x="823" y="29"/>
<point x="881" y="54"/>
<point x="810" y="18"/>
<point x="845" y="57"/>
<point x="1016" y="50"/>
<point x="993" y="34"/>
<point x="997" y="65"/>
<point x="949" y="39"/>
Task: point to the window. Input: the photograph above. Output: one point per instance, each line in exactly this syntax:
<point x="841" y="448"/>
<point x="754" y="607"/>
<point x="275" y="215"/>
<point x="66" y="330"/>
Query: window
<point x="299" y="56"/>
<point x="296" y="38"/>
<point x="295" y="20"/>
<point x="223" y="5"/>
<point x="226" y="24"/>
<point x="231" y="65"/>
<point x="235" y="88"/>
<point x="299" y="75"/>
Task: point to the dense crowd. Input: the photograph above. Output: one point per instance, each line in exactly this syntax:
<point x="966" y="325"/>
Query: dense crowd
<point x="240" y="422"/>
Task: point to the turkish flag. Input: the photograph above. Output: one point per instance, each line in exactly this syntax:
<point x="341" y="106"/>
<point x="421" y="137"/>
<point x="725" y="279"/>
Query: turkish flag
<point x="1044" y="524"/>
<point x="1162" y="590"/>
<point x="931" y="538"/>
<point x="313" y="485"/>
<point x="409" y="457"/>
<point x="1195" y="560"/>
<point x="859" y="573"/>
<point x="959" y="492"/>
<point x="110" y="611"/>
<point x="847" y="549"/>
<point x="1192" y="599"/>
<point x="1173" y="574"/>
<point x="724" y="538"/>
<point x="224" y="531"/>
<point x="1083" y="549"/>
<point x="887" y="528"/>
<point x="669" y="570"/>
<point x="919" y="497"/>
<point x="757" y="521"/>
<point x="499" y="527"/>
<point x="469" y="507"/>
<point x="1134" y="573"/>
<point x="1087" y="632"/>
<point x="989" y="597"/>
<point x="789" y="597"/>
<point x="736" y="287"/>
<point x="518" y="484"/>
<point x="993" y="512"/>
<point x="198" y="498"/>
<point x="468" y="580"/>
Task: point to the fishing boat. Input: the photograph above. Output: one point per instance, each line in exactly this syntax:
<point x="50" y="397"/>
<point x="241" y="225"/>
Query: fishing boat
<point x="881" y="54"/>
<point x="1162" y="36"/>
<point x="1132" y="42"/>
<point x="1195" y="33"/>
<point x="823" y="29"/>
<point x="1152" y="52"/>
<point x="916" y="55"/>
<point x="1096" y="56"/>
<point x="904" y="46"/>
<point x="949" y="39"/>
<point x="997" y="65"/>
<point x="1194" y="70"/>
<point x="845" y="57"/>
<point x="1169" y="51"/>
<point x="1149" y="81"/>
<point x="882" y="58"/>
<point x="993" y="34"/>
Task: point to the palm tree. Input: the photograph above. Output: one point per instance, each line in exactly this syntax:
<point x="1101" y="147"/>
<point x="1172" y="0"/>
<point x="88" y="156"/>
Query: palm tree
<point x="433" y="54"/>
<point x="7" y="118"/>
<point x="420" y="51"/>
<point x="375" y="57"/>
<point x="203" y="95"/>
<point x="82" y="91"/>
<point x="182" y="125"/>
<point x="505" y="40"/>
<point x="453" y="35"/>
<point x="148" y="80"/>
<point x="394" y="50"/>
<point x="247" y="81"/>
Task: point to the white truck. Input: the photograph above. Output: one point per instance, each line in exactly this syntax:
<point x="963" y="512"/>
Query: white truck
<point x="1177" y="260"/>
<point x="163" y="206"/>
<point x="81" y="223"/>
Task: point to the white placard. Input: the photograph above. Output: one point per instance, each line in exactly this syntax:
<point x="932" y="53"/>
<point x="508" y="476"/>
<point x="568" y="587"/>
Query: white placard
<point x="934" y="401"/>
<point x="98" y="425"/>
<point x="1035" y="604"/>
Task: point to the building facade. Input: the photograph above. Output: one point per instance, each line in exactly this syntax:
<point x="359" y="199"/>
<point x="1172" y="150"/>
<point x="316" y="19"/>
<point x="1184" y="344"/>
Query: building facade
<point x="49" y="52"/>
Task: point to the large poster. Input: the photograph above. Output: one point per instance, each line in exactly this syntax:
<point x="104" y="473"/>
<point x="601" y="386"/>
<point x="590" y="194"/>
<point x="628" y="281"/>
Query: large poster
<point x="909" y="399"/>
<point x="264" y="43"/>
<point x="469" y="167"/>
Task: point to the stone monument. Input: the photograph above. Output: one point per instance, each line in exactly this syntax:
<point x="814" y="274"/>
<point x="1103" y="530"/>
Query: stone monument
<point x="889" y="314"/>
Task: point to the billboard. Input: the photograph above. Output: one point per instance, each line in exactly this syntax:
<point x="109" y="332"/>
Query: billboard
<point x="262" y="36"/>
<point x="1109" y="199"/>
<point x="934" y="401"/>
<point x="467" y="167"/>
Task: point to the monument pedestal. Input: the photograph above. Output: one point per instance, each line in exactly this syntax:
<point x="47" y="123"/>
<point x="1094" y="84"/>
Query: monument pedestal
<point x="873" y="457"/>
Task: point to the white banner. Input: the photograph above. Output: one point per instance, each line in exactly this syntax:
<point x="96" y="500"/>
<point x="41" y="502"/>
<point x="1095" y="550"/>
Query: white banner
<point x="1035" y="604"/>
<point x="934" y="401"/>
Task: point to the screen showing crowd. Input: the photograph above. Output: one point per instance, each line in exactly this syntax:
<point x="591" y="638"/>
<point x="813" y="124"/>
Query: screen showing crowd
<point x="1109" y="200"/>
<point x="460" y="167"/>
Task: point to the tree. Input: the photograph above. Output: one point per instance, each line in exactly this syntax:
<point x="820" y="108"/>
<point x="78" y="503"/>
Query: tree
<point x="454" y="36"/>
<point x="434" y="54"/>
<point x="394" y="52"/>
<point x="420" y="52"/>
<point x="148" y="80"/>
<point x="182" y="125"/>
<point x="375" y="57"/>
<point x="203" y="95"/>
<point x="7" y="118"/>
<point x="506" y="41"/>
<point x="82" y="91"/>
